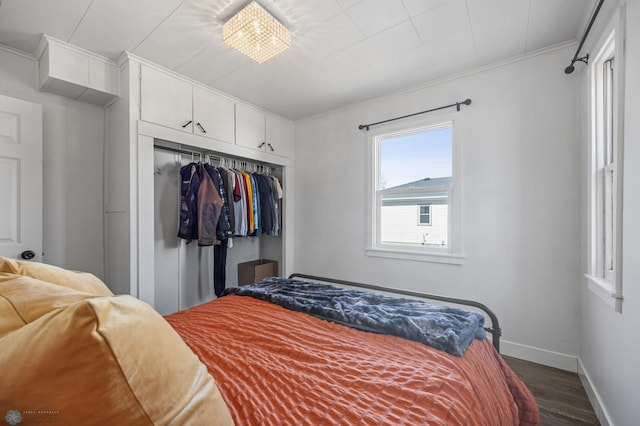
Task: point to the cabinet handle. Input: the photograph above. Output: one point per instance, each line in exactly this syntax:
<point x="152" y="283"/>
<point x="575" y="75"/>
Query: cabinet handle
<point x="186" y="124"/>
<point x="270" y="147"/>
<point x="201" y="128"/>
<point x="261" y="145"/>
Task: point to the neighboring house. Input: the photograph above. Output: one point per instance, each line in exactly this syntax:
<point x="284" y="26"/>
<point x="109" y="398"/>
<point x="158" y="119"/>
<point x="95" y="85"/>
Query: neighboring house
<point x="416" y="213"/>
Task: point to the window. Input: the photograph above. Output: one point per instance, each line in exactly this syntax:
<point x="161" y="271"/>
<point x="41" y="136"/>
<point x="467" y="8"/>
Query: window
<point x="424" y="215"/>
<point x="414" y="171"/>
<point x="605" y="171"/>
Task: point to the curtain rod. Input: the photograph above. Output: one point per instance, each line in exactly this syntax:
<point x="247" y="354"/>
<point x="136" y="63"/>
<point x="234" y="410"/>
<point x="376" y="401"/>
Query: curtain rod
<point x="457" y="105"/>
<point x="585" y="59"/>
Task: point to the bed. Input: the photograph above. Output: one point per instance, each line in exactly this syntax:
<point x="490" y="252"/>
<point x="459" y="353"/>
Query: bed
<point x="72" y="352"/>
<point x="275" y="366"/>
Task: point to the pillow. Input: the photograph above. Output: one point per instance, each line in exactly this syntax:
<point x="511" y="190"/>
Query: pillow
<point x="24" y="299"/>
<point x="82" y="281"/>
<point x="106" y="361"/>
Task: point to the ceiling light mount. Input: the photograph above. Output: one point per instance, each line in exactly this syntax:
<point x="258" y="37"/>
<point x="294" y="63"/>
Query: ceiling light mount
<point x="256" y="33"/>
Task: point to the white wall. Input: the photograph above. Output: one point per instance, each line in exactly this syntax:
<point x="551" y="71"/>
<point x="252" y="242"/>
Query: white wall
<point x="520" y="201"/>
<point x="73" y="171"/>
<point x="609" y="344"/>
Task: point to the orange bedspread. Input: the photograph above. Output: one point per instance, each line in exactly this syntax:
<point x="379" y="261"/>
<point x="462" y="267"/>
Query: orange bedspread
<point x="279" y="367"/>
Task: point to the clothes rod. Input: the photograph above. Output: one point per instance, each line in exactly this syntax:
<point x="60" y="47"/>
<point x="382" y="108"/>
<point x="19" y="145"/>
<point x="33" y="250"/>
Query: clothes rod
<point x="185" y="151"/>
<point x="215" y="157"/>
<point x="585" y="59"/>
<point x="457" y="105"/>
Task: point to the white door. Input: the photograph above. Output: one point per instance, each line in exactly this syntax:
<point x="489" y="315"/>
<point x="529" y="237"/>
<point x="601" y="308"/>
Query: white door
<point x="20" y="179"/>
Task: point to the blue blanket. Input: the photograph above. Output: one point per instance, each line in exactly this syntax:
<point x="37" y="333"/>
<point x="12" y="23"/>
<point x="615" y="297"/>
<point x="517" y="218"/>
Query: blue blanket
<point x="449" y="329"/>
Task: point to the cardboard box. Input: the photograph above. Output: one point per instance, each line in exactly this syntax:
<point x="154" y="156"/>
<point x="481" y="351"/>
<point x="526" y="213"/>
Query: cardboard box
<point x="256" y="270"/>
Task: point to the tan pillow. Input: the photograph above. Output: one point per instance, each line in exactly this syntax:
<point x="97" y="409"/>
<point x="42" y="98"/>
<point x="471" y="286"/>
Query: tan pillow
<point x="106" y="361"/>
<point x="24" y="299"/>
<point x="82" y="281"/>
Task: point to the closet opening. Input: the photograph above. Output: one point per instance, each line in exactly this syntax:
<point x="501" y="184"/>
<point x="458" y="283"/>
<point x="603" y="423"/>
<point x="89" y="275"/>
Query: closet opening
<point x="184" y="271"/>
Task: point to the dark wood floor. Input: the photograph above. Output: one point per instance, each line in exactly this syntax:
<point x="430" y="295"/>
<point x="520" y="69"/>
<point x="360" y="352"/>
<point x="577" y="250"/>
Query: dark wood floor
<point x="559" y="394"/>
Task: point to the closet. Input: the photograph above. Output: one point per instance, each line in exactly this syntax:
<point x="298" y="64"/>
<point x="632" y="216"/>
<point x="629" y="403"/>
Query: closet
<point x="144" y="256"/>
<point x="184" y="271"/>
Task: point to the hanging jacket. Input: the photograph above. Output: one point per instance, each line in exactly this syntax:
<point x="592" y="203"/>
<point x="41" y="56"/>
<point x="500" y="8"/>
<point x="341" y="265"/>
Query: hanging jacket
<point x="223" y="226"/>
<point x="190" y="181"/>
<point x="209" y="209"/>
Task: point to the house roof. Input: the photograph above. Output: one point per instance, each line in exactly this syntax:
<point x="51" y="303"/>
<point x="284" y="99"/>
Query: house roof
<point x="421" y="192"/>
<point x="425" y="183"/>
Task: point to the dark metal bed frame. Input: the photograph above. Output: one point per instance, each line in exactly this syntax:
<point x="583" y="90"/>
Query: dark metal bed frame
<point x="495" y="329"/>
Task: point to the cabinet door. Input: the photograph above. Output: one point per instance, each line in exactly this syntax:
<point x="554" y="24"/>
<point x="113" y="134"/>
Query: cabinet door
<point x="165" y="100"/>
<point x="213" y="115"/>
<point x="250" y="127"/>
<point x="279" y="138"/>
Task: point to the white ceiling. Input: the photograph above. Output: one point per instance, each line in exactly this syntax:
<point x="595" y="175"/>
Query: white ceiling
<point x="342" y="51"/>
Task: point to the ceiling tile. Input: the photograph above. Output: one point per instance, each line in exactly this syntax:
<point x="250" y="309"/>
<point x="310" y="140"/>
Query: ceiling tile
<point x="112" y="26"/>
<point x="374" y="16"/>
<point x="383" y="76"/>
<point x="245" y="79"/>
<point x="453" y="53"/>
<point x="213" y="63"/>
<point x="374" y="49"/>
<point x="23" y="21"/>
<point x="481" y="10"/>
<point x="442" y="21"/>
<point x="417" y="7"/>
<point x="501" y="37"/>
<point x="335" y="34"/>
<point x="346" y="4"/>
<point x="196" y="30"/>
<point x="297" y="15"/>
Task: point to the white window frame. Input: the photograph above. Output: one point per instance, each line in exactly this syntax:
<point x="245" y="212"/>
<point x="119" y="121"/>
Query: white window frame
<point x="452" y="254"/>
<point x="420" y="206"/>
<point x="605" y="192"/>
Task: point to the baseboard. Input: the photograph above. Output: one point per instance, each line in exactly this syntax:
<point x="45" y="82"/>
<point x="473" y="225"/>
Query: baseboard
<point x="539" y="356"/>
<point x="594" y="396"/>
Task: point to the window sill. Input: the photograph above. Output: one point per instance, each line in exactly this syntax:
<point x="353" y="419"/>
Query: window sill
<point x="453" y="259"/>
<point x="604" y="291"/>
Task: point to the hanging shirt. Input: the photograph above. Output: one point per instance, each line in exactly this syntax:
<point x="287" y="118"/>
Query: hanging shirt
<point x="240" y="205"/>
<point x="250" y="212"/>
<point x="278" y="194"/>
<point x="265" y="192"/>
<point x="256" y="206"/>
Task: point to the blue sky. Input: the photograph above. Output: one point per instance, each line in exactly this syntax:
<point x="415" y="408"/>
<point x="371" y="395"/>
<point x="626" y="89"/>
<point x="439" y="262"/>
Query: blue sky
<point x="409" y="158"/>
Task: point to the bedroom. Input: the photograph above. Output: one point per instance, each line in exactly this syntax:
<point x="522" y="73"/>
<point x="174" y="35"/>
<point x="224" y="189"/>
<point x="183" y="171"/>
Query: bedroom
<point x="524" y="203"/>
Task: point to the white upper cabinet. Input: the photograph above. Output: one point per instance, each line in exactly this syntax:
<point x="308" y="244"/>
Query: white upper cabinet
<point x="279" y="135"/>
<point x="176" y="103"/>
<point x="76" y="73"/>
<point x="213" y="115"/>
<point x="250" y="127"/>
<point x="263" y="132"/>
<point x="166" y="100"/>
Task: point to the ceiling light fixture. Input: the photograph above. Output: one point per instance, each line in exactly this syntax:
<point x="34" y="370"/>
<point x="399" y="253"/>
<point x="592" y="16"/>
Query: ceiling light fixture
<point x="256" y="33"/>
